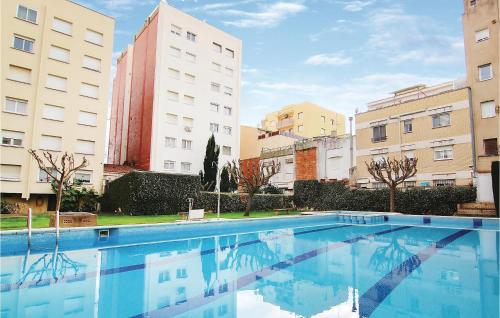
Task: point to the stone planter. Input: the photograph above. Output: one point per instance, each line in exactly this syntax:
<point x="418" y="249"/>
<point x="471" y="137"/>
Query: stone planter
<point x="74" y="219"/>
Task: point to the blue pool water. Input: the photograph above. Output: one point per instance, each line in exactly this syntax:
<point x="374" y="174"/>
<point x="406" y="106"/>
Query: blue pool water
<point x="289" y="267"/>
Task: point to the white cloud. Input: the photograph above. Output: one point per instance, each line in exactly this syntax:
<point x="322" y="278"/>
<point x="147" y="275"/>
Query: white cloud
<point x="269" y="15"/>
<point x="356" y="5"/>
<point x="400" y="37"/>
<point x="328" y="59"/>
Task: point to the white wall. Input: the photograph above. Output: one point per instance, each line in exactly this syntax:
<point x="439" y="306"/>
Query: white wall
<point x="484" y="188"/>
<point x="201" y="90"/>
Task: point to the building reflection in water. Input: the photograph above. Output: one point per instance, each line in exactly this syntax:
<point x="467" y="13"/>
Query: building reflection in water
<point x="202" y="275"/>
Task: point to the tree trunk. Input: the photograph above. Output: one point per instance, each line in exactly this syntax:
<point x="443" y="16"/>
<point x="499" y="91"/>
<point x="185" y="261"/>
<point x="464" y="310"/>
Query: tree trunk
<point x="392" y="198"/>
<point x="249" y="204"/>
<point x="59" y="194"/>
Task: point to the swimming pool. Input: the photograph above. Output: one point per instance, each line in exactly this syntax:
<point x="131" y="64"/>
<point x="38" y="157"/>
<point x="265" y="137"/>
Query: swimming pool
<point x="311" y="266"/>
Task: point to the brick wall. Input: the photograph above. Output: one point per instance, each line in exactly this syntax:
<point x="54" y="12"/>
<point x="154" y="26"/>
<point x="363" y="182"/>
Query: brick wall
<point x="305" y="164"/>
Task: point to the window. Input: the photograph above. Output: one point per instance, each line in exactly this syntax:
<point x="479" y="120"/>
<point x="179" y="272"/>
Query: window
<point x="175" y="29"/>
<point x="53" y="112"/>
<point x="186" y="144"/>
<point x="87" y="118"/>
<point x="485" y="72"/>
<point x="185" y="166"/>
<point x="56" y="82"/>
<point x="89" y="90"/>
<point x="10" y="172"/>
<point x="91" y="63"/>
<point x="441" y="120"/>
<point x="59" y="54"/>
<point x="300" y="115"/>
<point x="173" y="73"/>
<point x="169" y="142"/>
<point x="173" y="96"/>
<point x="227" y="110"/>
<point x="190" y="57"/>
<point x="443" y="153"/>
<point x="228" y="91"/>
<point x="191" y="36"/>
<point x="14" y="105"/>
<point x="379" y="133"/>
<point x="214" y="107"/>
<point x="215" y="87"/>
<point x="19" y="74"/>
<point x="214" y="128"/>
<point x="174" y="51"/>
<point x="488" y="109"/>
<point x="172" y="119"/>
<point x="300" y="128"/>
<point x="189" y="78"/>
<point x="229" y="71"/>
<point x="490" y="147"/>
<point x="323" y="119"/>
<point x="323" y="131"/>
<point x="228" y="130"/>
<point x="472" y="2"/>
<point x="45" y="177"/>
<point x="217" y="47"/>
<point x="94" y="37"/>
<point x="26" y="14"/>
<point x="12" y="138"/>
<point x="407" y="126"/>
<point x="482" y="35"/>
<point x="169" y="165"/>
<point x="409" y="154"/>
<point x="50" y="143"/>
<point x="23" y="44"/>
<point x="226" y="150"/>
<point x="85" y="146"/>
<point x="188" y="100"/>
<point x="229" y="53"/>
<point x="164" y="276"/>
<point x="409" y="184"/>
<point x="332" y="122"/>
<point x="188" y="121"/>
<point x="379" y="185"/>
<point x="62" y="26"/>
<point x="216" y="67"/>
<point x="83" y="176"/>
<point x="444" y="182"/>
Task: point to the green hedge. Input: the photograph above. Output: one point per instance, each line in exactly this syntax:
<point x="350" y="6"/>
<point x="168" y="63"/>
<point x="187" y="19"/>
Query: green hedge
<point x="143" y="193"/>
<point x="232" y="202"/>
<point x="337" y="196"/>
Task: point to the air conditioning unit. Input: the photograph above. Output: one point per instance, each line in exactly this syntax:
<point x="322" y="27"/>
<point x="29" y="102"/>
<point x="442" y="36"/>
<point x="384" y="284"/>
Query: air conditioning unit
<point x="188" y="129"/>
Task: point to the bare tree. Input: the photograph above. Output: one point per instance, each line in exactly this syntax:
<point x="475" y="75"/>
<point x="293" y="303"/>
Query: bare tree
<point x="59" y="172"/>
<point x="252" y="176"/>
<point x="392" y="172"/>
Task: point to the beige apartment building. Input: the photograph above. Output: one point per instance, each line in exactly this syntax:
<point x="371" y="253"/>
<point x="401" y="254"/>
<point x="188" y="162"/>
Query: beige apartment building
<point x="428" y="123"/>
<point x="254" y="140"/>
<point x="305" y="120"/>
<point x="482" y="45"/>
<point x="56" y="61"/>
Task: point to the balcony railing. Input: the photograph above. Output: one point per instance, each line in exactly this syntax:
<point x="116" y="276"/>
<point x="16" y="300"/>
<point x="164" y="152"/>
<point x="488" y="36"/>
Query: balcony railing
<point x="285" y="123"/>
<point x="379" y="139"/>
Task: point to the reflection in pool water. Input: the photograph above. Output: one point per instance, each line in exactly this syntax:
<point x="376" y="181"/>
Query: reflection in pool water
<point x="292" y="272"/>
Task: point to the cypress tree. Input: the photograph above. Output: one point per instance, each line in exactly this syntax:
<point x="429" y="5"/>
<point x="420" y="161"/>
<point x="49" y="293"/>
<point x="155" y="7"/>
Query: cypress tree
<point x="209" y="167"/>
<point x="225" y="183"/>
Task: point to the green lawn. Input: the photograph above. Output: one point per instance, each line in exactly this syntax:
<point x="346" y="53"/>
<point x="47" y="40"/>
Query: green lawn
<point x="10" y="222"/>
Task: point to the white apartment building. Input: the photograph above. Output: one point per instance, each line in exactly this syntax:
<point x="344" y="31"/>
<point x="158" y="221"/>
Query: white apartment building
<point x="56" y="60"/>
<point x="175" y="86"/>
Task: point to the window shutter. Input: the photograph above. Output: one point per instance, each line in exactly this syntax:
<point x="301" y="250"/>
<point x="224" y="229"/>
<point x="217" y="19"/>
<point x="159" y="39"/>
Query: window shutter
<point x="93" y="37"/>
<point x="50" y="143"/>
<point x="58" y="53"/>
<point x="85" y="147"/>
<point x="86" y="118"/>
<point x="19" y="74"/>
<point x="53" y="112"/>
<point x="10" y="172"/>
<point x="56" y="82"/>
<point x="89" y="90"/>
<point x="62" y="26"/>
<point x="92" y="63"/>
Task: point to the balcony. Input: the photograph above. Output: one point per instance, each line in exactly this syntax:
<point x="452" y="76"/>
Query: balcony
<point x="379" y="139"/>
<point x="283" y="123"/>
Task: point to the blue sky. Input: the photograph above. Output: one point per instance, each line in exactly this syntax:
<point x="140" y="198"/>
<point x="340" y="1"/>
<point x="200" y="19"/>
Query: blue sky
<point x="337" y="53"/>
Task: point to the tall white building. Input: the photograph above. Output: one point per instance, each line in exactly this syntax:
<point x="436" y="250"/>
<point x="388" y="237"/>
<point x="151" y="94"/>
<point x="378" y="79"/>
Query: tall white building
<point x="175" y="86"/>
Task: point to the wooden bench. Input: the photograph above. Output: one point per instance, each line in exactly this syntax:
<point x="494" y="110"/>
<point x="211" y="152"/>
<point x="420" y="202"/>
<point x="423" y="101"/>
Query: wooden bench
<point x="282" y="211"/>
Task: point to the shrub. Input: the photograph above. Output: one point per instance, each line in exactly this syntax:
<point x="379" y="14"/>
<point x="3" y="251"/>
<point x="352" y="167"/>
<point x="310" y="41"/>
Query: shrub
<point x="142" y="193"/>
<point x="8" y="208"/>
<point x="271" y="189"/>
<point x="233" y="202"/>
<point x="336" y="196"/>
